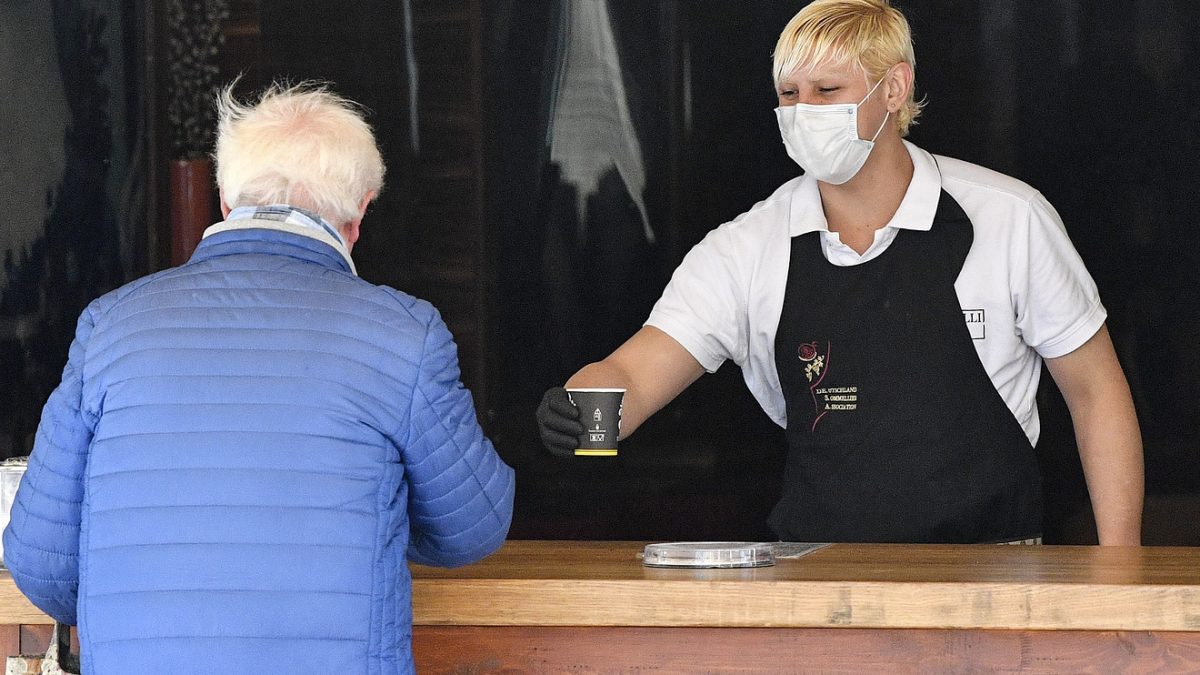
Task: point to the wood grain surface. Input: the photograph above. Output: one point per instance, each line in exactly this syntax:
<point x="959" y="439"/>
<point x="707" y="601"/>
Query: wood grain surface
<point x="560" y="583"/>
<point x="581" y="650"/>
<point x="570" y="583"/>
<point x="14" y="607"/>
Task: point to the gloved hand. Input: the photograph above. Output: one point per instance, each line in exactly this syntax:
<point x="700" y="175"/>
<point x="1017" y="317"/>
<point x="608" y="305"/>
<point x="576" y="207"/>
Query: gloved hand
<point x="558" y="423"/>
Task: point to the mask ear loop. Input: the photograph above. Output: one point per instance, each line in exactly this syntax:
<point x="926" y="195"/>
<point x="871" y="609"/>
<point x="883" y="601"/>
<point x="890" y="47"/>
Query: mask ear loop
<point x="889" y="112"/>
<point x="864" y="99"/>
<point x="881" y="126"/>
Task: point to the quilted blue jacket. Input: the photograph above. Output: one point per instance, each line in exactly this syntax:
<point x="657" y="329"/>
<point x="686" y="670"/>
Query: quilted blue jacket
<point x="241" y="455"/>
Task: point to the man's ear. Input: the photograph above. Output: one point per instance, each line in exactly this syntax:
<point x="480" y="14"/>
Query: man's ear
<point x="351" y="229"/>
<point x="350" y="232"/>
<point x="224" y="207"/>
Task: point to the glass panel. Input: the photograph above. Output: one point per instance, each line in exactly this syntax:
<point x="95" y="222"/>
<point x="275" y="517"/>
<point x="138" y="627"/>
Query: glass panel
<point x="650" y="123"/>
<point x="71" y="187"/>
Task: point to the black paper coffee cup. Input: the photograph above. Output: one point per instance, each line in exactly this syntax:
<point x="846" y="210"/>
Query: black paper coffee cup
<point x="600" y="412"/>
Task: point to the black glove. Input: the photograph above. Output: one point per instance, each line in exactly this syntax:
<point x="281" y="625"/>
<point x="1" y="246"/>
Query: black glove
<point x="558" y="423"/>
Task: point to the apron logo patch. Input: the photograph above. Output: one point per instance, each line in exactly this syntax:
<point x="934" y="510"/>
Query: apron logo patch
<point x="826" y="398"/>
<point x="976" y="323"/>
<point x="816" y="362"/>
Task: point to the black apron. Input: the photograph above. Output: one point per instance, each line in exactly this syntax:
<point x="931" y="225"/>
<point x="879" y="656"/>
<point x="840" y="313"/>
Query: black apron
<point x="895" y="432"/>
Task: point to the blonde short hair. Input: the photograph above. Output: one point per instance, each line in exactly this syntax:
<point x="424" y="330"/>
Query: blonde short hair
<point x="868" y="34"/>
<point x="297" y="144"/>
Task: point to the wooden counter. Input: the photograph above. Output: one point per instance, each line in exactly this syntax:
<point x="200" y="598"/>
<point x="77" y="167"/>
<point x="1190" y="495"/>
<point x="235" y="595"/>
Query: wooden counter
<point x="591" y="607"/>
<point x="24" y="629"/>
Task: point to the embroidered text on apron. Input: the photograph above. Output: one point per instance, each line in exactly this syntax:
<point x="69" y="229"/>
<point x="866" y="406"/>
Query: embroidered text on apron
<point x="895" y="432"/>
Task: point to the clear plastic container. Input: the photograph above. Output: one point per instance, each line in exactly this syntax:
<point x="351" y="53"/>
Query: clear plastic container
<point x="11" y="471"/>
<point x="708" y="554"/>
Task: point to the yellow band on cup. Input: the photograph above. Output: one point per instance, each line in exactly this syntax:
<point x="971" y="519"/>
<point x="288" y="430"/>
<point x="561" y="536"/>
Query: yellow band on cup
<point x="595" y="452"/>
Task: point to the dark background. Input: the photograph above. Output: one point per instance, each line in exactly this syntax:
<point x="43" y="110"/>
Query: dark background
<point x="1095" y="104"/>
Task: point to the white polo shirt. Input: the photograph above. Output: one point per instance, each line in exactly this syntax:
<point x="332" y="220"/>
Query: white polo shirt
<point x="1023" y="289"/>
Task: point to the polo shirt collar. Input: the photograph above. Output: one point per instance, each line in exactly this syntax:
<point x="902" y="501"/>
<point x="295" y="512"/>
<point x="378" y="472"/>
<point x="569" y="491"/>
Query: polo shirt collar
<point x="916" y="209"/>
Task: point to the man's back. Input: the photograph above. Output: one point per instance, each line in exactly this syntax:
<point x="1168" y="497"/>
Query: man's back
<point x="265" y="426"/>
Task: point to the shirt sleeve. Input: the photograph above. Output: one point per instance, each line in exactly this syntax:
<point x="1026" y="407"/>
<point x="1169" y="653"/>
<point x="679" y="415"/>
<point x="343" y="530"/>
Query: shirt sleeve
<point x="41" y="543"/>
<point x="704" y="307"/>
<point x="460" y="492"/>
<point x="1058" y="305"/>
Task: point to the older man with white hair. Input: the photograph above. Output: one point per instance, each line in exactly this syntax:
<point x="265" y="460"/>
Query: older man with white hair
<point x="245" y="450"/>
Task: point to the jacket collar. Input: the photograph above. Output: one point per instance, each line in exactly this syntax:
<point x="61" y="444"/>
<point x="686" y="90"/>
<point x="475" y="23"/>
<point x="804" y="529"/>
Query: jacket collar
<point x="277" y="218"/>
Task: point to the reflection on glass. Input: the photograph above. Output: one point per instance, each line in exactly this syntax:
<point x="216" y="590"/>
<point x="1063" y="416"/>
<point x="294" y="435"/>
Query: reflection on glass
<point x="70" y="194"/>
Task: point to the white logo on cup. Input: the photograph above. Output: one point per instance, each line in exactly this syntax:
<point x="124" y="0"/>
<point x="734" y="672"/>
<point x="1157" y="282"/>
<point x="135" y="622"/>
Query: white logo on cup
<point x="597" y="416"/>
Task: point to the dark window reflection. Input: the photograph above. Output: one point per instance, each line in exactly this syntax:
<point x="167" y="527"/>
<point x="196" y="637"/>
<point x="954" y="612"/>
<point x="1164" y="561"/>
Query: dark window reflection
<point x="71" y="187"/>
<point x="623" y="130"/>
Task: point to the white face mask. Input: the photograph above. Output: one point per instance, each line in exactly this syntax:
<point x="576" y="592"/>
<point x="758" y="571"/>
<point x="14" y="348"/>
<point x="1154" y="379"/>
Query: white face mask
<point x="823" y="139"/>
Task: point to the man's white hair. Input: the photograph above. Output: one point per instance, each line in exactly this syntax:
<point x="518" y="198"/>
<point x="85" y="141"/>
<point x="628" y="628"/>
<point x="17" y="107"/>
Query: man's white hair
<point x="300" y="145"/>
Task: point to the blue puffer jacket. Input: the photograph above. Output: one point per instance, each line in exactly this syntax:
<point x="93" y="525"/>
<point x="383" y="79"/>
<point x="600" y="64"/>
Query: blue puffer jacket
<point x="240" y="455"/>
